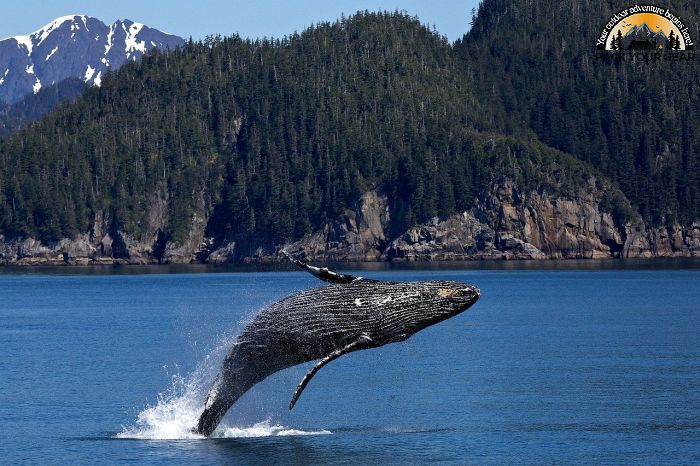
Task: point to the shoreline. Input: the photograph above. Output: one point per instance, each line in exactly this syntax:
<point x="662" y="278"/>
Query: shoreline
<point x="495" y="265"/>
<point x="508" y="225"/>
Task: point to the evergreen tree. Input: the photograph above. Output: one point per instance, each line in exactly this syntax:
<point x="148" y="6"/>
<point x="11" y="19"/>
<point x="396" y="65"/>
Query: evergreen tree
<point x="620" y="44"/>
<point x="618" y="41"/>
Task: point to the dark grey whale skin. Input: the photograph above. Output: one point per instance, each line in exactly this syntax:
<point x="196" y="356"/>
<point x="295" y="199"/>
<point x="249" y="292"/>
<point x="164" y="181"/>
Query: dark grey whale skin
<point x="348" y="314"/>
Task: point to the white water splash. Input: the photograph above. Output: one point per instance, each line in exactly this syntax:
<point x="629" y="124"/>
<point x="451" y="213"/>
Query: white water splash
<point x="263" y="429"/>
<point x="175" y="415"/>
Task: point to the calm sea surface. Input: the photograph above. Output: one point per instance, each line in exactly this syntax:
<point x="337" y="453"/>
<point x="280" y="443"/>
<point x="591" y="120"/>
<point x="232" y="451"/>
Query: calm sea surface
<point x="554" y="365"/>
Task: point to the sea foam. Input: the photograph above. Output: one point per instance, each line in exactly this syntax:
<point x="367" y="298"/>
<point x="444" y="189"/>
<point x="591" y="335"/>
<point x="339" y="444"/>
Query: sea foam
<point x="177" y="411"/>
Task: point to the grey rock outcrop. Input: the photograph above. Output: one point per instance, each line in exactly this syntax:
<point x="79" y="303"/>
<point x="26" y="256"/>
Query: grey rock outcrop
<point x="559" y="227"/>
<point x="675" y="241"/>
<point x="459" y="237"/>
<point x="505" y="223"/>
<point x="223" y="254"/>
<point x="106" y="245"/>
<point x="358" y="235"/>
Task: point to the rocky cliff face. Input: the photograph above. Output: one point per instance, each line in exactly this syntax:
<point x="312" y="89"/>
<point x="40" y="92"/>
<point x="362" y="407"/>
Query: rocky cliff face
<point x="676" y="241"/>
<point x="358" y="235"/>
<point x="505" y="223"/>
<point x="105" y="244"/>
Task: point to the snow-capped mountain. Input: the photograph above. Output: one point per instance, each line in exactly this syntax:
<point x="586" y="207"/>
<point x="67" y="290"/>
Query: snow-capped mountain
<point x="73" y="46"/>
<point x="644" y="36"/>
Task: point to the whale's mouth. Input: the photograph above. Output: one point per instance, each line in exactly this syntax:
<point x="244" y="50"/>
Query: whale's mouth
<point x="462" y="297"/>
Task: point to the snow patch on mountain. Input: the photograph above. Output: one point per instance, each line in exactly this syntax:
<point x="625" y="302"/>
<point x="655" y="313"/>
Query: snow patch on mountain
<point x="88" y="73"/>
<point x="26" y="41"/>
<point x="43" y="33"/>
<point x="37" y="86"/>
<point x="131" y="43"/>
<point x="110" y="34"/>
<point x="30" y="69"/>
<point x="52" y="52"/>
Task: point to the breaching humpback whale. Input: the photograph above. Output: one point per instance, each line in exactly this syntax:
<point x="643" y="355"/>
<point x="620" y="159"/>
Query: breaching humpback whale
<point x="349" y="314"/>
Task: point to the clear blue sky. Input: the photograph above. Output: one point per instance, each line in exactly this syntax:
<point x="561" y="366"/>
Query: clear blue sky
<point x="251" y="18"/>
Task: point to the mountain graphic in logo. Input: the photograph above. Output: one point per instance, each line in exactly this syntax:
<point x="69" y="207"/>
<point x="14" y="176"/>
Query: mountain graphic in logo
<point x="643" y="38"/>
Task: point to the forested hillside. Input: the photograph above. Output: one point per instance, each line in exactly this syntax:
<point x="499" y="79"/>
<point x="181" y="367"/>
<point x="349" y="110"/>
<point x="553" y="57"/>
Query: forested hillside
<point x="638" y="122"/>
<point x="272" y="137"/>
<point x="245" y="146"/>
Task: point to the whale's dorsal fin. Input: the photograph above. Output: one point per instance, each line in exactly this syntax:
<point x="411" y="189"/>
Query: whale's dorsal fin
<point x="322" y="272"/>
<point x="364" y="341"/>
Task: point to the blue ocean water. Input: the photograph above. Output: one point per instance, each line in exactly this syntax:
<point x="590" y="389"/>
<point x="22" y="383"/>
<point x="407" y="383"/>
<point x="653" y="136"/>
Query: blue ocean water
<point x="550" y="366"/>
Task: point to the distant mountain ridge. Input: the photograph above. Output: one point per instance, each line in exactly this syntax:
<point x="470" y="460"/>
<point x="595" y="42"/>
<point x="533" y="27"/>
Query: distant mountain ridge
<point x="32" y="106"/>
<point x="73" y="46"/>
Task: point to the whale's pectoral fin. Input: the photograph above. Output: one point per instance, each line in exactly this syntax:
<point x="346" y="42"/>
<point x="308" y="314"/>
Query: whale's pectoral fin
<point x="322" y="272"/>
<point x="363" y="342"/>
